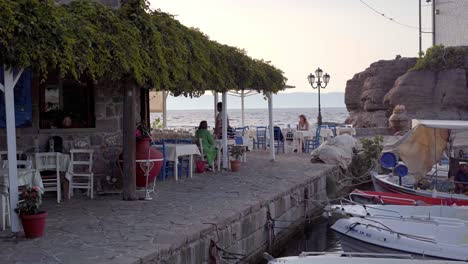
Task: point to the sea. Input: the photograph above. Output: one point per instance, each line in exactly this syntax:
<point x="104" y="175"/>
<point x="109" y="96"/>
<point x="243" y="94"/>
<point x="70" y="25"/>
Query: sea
<point x="282" y="117"/>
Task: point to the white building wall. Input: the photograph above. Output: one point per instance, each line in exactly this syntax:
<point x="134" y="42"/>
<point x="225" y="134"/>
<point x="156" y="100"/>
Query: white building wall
<point x="451" y="22"/>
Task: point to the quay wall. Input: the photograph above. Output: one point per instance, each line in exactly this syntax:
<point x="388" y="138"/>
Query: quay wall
<point x="257" y="229"/>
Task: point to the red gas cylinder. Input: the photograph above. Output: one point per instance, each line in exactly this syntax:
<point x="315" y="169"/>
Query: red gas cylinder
<point x="143" y="151"/>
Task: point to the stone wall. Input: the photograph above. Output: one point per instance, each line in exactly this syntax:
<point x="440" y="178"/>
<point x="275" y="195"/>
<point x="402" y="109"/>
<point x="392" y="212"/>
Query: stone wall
<point x="105" y="138"/>
<point x="252" y="232"/>
<point x="451" y="29"/>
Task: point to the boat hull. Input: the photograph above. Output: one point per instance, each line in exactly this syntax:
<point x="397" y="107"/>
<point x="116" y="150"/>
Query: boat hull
<point x="382" y="184"/>
<point x="424" y="238"/>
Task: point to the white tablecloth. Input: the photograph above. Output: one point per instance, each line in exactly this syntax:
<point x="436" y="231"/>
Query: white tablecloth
<point x="63" y="163"/>
<point x="26" y="177"/>
<point x="173" y="151"/>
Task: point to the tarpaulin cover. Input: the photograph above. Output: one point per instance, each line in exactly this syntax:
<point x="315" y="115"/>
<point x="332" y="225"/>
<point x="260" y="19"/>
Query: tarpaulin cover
<point x="23" y="104"/>
<point x="337" y="150"/>
<point x="422" y="147"/>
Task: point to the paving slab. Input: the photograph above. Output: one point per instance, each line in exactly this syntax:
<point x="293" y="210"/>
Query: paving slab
<point x="110" y="230"/>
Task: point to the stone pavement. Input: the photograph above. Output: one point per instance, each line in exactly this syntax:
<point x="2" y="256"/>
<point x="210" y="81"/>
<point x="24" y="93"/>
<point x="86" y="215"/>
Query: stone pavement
<point x="109" y="230"/>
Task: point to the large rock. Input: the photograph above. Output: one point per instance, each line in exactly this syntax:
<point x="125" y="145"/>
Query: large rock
<point x="364" y="95"/>
<point x="432" y="95"/>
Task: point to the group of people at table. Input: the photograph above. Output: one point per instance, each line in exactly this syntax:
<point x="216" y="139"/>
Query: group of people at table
<point x="209" y="139"/>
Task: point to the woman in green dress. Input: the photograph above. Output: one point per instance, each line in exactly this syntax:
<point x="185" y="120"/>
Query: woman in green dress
<point x="209" y="145"/>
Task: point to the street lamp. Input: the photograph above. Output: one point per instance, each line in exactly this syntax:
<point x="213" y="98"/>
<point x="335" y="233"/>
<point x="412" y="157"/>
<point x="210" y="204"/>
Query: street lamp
<point x="318" y="85"/>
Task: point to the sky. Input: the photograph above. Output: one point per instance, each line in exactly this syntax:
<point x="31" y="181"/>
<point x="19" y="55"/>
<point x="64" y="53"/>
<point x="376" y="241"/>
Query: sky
<point x="343" y="37"/>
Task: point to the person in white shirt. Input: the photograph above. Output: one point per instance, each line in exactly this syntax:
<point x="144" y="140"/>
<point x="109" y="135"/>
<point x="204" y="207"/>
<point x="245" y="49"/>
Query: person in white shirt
<point x="303" y="124"/>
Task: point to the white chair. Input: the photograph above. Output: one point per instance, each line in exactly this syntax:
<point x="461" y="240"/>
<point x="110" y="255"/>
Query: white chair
<point x="21" y="164"/>
<point x="82" y="171"/>
<point x="5" y="206"/>
<point x="49" y="161"/>
<point x="200" y="146"/>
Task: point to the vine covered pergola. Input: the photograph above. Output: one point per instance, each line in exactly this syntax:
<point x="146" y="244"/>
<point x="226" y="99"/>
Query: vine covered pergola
<point x="133" y="45"/>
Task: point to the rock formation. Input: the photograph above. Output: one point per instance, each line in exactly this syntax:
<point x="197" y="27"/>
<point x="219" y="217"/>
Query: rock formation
<point x="364" y="95"/>
<point x="427" y="94"/>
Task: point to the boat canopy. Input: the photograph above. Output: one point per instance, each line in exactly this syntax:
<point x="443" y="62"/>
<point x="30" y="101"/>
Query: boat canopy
<point x="424" y="144"/>
<point x="447" y="124"/>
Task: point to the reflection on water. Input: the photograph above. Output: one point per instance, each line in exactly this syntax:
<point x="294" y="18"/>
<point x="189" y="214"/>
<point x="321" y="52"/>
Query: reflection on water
<point x="316" y="237"/>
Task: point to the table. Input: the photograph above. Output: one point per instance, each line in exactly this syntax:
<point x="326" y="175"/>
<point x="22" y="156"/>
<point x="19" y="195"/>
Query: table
<point x="64" y="164"/>
<point x="26" y="177"/>
<point x="174" y="151"/>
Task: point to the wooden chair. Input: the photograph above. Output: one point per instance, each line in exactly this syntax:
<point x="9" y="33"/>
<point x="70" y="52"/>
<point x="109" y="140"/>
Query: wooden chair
<point x="49" y="162"/>
<point x="82" y="171"/>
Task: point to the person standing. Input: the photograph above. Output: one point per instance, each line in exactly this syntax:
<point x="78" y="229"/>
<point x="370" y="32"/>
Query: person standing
<point x="219" y="121"/>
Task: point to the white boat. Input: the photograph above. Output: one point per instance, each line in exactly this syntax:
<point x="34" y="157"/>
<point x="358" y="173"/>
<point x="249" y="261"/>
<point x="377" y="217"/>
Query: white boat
<point x="437" y="213"/>
<point x="353" y="258"/>
<point x="420" y="236"/>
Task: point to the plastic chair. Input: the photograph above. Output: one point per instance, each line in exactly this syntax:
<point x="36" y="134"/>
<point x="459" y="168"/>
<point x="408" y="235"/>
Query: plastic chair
<point x="240" y="131"/>
<point x="82" y="171"/>
<point x="261" y="137"/>
<point x="279" y="142"/>
<point x="51" y="182"/>
<point x="311" y="144"/>
<point x="168" y="166"/>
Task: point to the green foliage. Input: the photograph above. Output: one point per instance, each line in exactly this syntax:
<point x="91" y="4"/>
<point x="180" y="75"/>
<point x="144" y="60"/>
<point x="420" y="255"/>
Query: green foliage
<point x="439" y="58"/>
<point x="236" y="151"/>
<point x="368" y="158"/>
<point x="148" y="47"/>
<point x="156" y="124"/>
<point x="30" y="200"/>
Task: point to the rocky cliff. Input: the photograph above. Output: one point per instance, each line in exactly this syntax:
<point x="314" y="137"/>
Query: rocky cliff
<point x="435" y="89"/>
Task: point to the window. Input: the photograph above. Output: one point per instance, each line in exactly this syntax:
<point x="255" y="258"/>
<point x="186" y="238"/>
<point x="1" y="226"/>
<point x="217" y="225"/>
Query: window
<point x="66" y="103"/>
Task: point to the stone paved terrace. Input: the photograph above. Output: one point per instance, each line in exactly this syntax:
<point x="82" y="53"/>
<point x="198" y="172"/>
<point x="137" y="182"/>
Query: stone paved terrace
<point x="109" y="230"/>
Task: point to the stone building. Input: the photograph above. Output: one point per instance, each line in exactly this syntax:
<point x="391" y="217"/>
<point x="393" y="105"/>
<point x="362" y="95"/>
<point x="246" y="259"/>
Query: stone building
<point x="451" y="24"/>
<point x="84" y="113"/>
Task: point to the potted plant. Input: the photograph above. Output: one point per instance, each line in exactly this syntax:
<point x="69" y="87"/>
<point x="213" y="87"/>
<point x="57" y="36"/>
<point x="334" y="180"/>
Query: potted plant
<point x="236" y="152"/>
<point x="32" y="218"/>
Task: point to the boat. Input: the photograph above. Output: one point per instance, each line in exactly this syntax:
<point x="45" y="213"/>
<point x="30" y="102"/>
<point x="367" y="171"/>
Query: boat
<point x="352" y="258"/>
<point x="409" y="213"/>
<point x="421" y="237"/>
<point x="426" y="152"/>
<point x="391" y="183"/>
<point x="374" y="197"/>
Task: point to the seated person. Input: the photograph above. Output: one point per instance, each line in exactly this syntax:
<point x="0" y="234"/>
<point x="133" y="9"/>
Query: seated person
<point x="461" y="180"/>
<point x="303" y="124"/>
<point x="209" y="145"/>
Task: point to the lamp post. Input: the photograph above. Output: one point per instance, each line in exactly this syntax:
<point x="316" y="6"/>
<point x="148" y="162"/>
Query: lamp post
<point x="318" y="84"/>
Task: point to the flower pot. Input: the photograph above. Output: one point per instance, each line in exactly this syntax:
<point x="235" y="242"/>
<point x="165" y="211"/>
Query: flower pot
<point x="33" y="225"/>
<point x="235" y="165"/>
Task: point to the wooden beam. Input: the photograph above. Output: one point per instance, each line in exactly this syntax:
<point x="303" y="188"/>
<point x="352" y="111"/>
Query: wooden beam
<point x="128" y="127"/>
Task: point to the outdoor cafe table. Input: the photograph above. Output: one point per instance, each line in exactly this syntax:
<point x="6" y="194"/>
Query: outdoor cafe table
<point x="63" y="163"/>
<point x="174" y="151"/>
<point x="26" y="177"/>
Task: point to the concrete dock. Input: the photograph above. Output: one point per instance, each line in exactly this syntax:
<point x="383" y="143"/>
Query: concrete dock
<point x="237" y="216"/>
